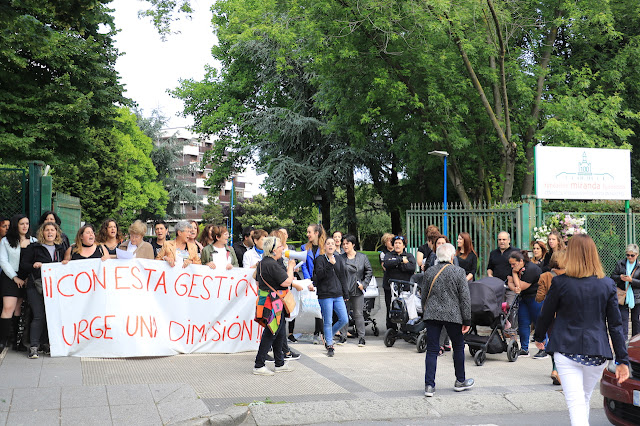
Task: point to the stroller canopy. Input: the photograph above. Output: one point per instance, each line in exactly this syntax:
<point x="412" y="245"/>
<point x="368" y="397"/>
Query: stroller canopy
<point x="487" y="296"/>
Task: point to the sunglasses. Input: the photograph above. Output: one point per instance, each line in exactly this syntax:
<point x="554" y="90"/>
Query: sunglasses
<point x="631" y="255"/>
<point x="398" y="238"/>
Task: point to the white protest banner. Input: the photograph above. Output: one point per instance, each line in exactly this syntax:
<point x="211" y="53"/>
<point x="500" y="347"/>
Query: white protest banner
<point x="139" y="307"/>
<point x="582" y="173"/>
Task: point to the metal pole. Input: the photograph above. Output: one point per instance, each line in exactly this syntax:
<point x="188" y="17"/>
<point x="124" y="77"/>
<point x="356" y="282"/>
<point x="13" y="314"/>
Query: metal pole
<point x="444" y="227"/>
<point x="233" y="190"/>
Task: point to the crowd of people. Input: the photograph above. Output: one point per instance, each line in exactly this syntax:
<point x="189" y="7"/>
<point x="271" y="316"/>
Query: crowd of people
<point x="547" y="281"/>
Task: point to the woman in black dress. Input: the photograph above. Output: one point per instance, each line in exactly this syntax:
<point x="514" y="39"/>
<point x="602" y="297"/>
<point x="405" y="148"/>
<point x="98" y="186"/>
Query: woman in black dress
<point x="85" y="246"/>
<point x="466" y="255"/>
<point x="110" y="236"/>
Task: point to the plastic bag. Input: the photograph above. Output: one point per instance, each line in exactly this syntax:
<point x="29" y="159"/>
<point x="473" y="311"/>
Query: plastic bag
<point x="296" y="310"/>
<point x="308" y="301"/>
<point x="372" y="289"/>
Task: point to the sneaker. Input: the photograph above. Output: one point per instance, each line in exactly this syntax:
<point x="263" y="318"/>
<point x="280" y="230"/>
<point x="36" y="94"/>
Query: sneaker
<point x="462" y="386"/>
<point x="330" y="351"/>
<point x="447" y="348"/>
<point x="429" y="390"/>
<point x="46" y="348"/>
<point x="541" y="355"/>
<point x="284" y="368"/>
<point x="317" y="340"/>
<point x="263" y="371"/>
<point x="291" y="355"/>
<point x="341" y="340"/>
<point x="269" y="358"/>
<point x="361" y="342"/>
<point x="292" y="338"/>
<point x="523" y="353"/>
<point x="33" y="352"/>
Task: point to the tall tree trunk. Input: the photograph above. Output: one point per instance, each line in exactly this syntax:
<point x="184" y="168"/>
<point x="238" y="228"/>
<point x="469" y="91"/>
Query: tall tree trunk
<point x="392" y="199"/>
<point x="509" y="148"/>
<point x="351" y="219"/>
<point x="527" y="186"/>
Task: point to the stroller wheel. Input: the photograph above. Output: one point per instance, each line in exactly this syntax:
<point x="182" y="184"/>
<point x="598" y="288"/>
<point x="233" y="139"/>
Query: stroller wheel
<point x="472" y="351"/>
<point x="480" y="357"/>
<point x="421" y="343"/>
<point x="389" y="338"/>
<point x="513" y="350"/>
<point x="376" y="330"/>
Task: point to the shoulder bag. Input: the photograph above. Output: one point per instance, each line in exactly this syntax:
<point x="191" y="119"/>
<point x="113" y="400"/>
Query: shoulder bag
<point x="288" y="300"/>
<point x="432" y="283"/>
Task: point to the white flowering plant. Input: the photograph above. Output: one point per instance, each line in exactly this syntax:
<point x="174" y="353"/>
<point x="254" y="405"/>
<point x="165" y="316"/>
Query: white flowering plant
<point x="541" y="233"/>
<point x="566" y="225"/>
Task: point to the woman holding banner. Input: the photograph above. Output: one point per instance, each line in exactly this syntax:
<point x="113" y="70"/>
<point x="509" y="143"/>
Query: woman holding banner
<point x="135" y="244"/>
<point x="110" y="236"/>
<point x="85" y="246"/>
<point x="269" y="308"/>
<point x="48" y="249"/>
<point x="12" y="284"/>
<point x="218" y="254"/>
<point x="180" y="251"/>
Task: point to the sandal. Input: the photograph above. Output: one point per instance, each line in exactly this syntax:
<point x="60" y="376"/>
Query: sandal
<point x="555" y="377"/>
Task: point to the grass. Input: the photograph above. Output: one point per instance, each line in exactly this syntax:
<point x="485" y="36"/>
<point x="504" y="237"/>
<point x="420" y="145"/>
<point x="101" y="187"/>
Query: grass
<point x="374" y="258"/>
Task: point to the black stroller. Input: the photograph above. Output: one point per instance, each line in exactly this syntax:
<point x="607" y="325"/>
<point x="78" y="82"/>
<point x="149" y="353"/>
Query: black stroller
<point x="371" y="293"/>
<point x="406" y="312"/>
<point x="487" y="296"/>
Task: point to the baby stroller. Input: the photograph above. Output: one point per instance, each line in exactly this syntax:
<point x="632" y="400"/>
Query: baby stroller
<point x="487" y="309"/>
<point x="406" y="312"/>
<point x="371" y="293"/>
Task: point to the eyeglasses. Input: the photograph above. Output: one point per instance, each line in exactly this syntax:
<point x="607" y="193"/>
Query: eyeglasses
<point x="631" y="255"/>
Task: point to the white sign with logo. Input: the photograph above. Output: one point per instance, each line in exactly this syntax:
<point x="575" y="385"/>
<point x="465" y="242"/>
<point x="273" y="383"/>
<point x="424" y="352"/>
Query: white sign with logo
<point x="139" y="307"/>
<point x="583" y="173"/>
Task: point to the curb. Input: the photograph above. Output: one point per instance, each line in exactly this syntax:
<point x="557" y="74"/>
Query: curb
<point x="232" y="416"/>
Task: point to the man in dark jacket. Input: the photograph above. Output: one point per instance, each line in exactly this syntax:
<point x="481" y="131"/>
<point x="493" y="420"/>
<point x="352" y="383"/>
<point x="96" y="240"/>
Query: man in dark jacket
<point x="241" y="247"/>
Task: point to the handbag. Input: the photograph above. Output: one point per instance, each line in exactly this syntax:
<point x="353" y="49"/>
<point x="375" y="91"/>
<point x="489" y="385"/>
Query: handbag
<point x="288" y="299"/>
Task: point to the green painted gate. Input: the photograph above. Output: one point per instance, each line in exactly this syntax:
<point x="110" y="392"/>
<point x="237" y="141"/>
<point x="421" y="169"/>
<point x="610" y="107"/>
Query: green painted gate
<point x="482" y="222"/>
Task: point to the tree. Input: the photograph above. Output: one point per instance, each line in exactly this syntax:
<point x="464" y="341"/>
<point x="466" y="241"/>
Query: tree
<point x="142" y="190"/>
<point x="58" y="82"/>
<point x="259" y="213"/>
<point x="484" y="81"/>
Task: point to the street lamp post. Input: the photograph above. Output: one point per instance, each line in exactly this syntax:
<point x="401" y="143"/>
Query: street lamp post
<point x="443" y="154"/>
<point x="233" y="190"/>
<point x="318" y="199"/>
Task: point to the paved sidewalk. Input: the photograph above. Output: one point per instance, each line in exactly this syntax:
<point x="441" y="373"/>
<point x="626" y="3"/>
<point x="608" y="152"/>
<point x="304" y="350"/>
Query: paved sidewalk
<point x="359" y="384"/>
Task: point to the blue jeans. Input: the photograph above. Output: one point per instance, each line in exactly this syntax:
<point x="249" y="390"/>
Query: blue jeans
<point x="527" y="315"/>
<point x="327" y="306"/>
<point x="433" y="347"/>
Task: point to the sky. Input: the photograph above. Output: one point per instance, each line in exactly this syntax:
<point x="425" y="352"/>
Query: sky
<point x="150" y="67"/>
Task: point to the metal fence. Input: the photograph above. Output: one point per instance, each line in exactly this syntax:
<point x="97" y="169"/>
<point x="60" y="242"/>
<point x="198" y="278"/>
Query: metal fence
<point x="610" y="231"/>
<point x="13" y="191"/>
<point x="482" y="222"/>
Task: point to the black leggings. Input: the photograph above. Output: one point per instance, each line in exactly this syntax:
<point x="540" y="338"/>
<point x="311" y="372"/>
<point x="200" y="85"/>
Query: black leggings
<point x="38" y="333"/>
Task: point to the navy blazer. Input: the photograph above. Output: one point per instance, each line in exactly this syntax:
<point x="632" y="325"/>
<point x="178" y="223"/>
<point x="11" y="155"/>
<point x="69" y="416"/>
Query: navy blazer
<point x="583" y="309"/>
